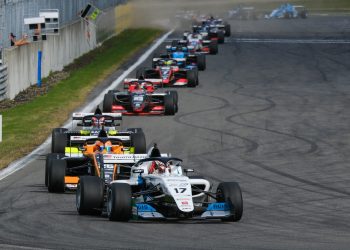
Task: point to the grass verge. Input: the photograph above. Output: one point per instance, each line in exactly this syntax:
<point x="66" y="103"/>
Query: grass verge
<point x="26" y="126"/>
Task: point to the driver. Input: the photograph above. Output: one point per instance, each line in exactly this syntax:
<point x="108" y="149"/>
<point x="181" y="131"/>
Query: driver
<point x="97" y="122"/>
<point x="157" y="167"/>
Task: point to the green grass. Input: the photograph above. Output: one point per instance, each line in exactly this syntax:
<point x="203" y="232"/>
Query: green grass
<point x="28" y="125"/>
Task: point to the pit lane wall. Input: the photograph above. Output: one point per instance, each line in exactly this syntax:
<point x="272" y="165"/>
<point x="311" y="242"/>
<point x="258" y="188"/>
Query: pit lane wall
<point x="58" y="51"/>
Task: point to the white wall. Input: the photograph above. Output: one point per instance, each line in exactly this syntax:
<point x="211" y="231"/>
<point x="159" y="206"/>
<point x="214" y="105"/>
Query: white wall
<point x="57" y="52"/>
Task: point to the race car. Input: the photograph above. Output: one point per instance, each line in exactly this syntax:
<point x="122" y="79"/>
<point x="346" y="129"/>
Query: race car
<point x="198" y="42"/>
<point x="288" y="11"/>
<point x="217" y="23"/>
<point x="141" y="102"/>
<point x="98" y="156"/>
<point x="159" y="188"/>
<point x="167" y="74"/>
<point x="183" y="57"/>
<point x="92" y="124"/>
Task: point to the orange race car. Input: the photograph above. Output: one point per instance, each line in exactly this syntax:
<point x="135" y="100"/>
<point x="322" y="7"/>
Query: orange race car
<point x="104" y="157"/>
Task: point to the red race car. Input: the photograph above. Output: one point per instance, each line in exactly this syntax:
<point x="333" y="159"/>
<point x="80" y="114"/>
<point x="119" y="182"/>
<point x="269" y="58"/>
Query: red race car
<point x="140" y="99"/>
<point x="166" y="73"/>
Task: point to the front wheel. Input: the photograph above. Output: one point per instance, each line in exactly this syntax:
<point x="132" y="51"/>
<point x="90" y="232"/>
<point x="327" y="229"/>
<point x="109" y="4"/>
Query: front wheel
<point x="89" y="195"/>
<point x="138" y="141"/>
<point x="221" y="37"/>
<point x="201" y="63"/>
<point x="230" y="192"/>
<point x="119" y="202"/>
<point x="169" y="105"/>
<point x="48" y="163"/>
<point x="191" y="78"/>
<point x="213" y="47"/>
<point x="227" y="30"/>
<point x="56" y="175"/>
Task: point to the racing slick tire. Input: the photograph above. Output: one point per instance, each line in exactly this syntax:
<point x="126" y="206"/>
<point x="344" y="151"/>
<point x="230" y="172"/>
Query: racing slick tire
<point x="138" y="141"/>
<point x="231" y="193"/>
<point x="89" y="195"/>
<point x="48" y="162"/>
<point x="213" y="47"/>
<point x="174" y="43"/>
<point x="108" y="102"/>
<point x="221" y="37"/>
<point x="112" y="91"/>
<point x="192" y="78"/>
<point x="176" y="98"/>
<point x="141" y="72"/>
<point x="59" y="140"/>
<point x="169" y="105"/>
<point x="56" y="174"/>
<point x="201" y="63"/>
<point x="119" y="202"/>
<point x="227" y="30"/>
<point x="303" y="14"/>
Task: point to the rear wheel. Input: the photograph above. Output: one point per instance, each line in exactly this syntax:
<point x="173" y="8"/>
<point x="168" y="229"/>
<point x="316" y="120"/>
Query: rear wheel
<point x="138" y="141"/>
<point x="230" y="192"/>
<point x="112" y="91"/>
<point x="201" y="63"/>
<point x="58" y="140"/>
<point x="174" y="43"/>
<point x="108" y="102"/>
<point x="119" y="202"/>
<point x="89" y="195"/>
<point x="56" y="174"/>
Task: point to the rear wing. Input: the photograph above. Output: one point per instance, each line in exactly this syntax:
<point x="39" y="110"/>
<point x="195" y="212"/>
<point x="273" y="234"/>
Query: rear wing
<point x="129" y="80"/>
<point x="80" y="116"/>
<point x="125" y="158"/>
<point x="176" y="59"/>
<point x="82" y="138"/>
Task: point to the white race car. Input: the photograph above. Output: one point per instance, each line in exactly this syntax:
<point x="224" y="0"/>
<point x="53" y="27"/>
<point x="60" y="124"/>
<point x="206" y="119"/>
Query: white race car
<point x="159" y="188"/>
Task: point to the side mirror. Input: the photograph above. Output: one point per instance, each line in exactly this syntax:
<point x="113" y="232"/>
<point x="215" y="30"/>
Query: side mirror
<point x="138" y="171"/>
<point x="188" y="170"/>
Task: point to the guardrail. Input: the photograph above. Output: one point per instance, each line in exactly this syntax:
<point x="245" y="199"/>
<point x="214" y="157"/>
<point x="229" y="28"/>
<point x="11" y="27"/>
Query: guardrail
<point x="3" y="82"/>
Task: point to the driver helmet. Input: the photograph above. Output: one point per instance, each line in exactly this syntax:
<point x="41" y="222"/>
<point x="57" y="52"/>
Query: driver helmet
<point x="108" y="146"/>
<point x="99" y="146"/>
<point x="168" y="62"/>
<point x="156" y="167"/>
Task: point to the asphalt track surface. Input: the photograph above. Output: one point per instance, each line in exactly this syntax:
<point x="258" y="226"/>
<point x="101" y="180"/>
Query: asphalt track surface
<point x="274" y="117"/>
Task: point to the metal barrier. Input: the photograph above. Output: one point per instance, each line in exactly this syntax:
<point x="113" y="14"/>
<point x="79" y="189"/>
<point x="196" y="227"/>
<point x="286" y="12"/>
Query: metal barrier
<point x="3" y="82"/>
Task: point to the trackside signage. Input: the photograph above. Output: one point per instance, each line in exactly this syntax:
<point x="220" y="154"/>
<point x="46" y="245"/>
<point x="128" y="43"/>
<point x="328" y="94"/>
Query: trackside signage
<point x="0" y="128"/>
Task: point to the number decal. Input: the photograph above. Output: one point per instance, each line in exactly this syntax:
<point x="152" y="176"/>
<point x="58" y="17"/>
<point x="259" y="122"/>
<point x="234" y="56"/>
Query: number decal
<point x="180" y="190"/>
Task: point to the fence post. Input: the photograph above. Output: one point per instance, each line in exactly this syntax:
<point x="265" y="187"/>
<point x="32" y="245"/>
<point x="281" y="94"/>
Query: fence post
<point x="39" y="68"/>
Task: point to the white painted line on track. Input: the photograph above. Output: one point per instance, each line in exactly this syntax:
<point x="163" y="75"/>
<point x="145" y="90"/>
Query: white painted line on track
<point x="289" y="41"/>
<point x="23" y="162"/>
